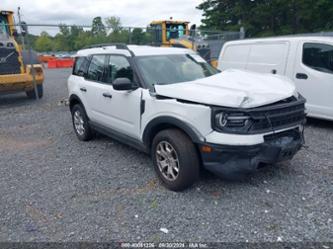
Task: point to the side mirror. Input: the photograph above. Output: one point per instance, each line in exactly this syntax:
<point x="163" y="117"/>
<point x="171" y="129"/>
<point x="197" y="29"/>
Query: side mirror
<point x="193" y="30"/>
<point x="123" y="84"/>
<point x="15" y="33"/>
<point x="24" y="28"/>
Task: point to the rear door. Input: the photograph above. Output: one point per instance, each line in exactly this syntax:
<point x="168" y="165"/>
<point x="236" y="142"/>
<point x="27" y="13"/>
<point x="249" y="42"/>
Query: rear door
<point x="92" y="87"/>
<point x="77" y="83"/>
<point x="268" y="57"/>
<point x="313" y="76"/>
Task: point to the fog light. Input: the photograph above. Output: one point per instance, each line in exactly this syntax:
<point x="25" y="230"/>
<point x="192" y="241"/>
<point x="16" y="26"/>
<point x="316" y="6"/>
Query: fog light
<point x="206" y="149"/>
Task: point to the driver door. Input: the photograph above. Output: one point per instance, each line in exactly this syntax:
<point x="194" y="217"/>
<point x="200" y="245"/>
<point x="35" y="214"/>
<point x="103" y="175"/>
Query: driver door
<point x="122" y="108"/>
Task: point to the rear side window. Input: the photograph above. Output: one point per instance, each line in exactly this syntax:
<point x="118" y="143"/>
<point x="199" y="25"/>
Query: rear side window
<point x="118" y="67"/>
<point x="318" y="57"/>
<point x="96" y="68"/>
<point x="80" y="66"/>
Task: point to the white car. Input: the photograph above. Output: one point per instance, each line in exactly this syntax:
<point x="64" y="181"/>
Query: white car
<point x="306" y="60"/>
<point x="172" y="104"/>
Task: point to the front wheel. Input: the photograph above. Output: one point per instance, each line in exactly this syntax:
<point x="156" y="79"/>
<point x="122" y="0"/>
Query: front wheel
<point x="175" y="159"/>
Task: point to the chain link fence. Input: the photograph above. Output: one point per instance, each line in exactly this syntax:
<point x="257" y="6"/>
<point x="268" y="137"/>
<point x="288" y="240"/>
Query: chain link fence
<point x="23" y="47"/>
<point x="63" y="40"/>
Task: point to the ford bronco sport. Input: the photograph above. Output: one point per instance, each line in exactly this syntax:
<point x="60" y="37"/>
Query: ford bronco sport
<point x="172" y="104"/>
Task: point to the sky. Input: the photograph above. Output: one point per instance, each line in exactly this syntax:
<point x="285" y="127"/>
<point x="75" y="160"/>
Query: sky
<point x="138" y="13"/>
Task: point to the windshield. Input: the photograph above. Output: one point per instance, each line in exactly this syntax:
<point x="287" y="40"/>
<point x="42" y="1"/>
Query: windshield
<point x="170" y="69"/>
<point x="3" y="27"/>
<point x="174" y="31"/>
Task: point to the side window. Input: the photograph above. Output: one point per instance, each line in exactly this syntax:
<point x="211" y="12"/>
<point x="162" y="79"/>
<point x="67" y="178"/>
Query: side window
<point x="118" y="67"/>
<point x="96" y="68"/>
<point x="80" y="66"/>
<point x="318" y="56"/>
<point x="156" y="32"/>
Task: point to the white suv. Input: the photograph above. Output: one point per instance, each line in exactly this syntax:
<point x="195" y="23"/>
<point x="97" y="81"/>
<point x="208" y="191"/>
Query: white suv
<point x="172" y="104"/>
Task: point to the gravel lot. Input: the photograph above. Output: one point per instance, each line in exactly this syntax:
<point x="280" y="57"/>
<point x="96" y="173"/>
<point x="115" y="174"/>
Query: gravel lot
<point x="55" y="188"/>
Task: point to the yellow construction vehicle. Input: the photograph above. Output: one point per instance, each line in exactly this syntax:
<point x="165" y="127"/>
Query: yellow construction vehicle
<point x="172" y="33"/>
<point x="17" y="72"/>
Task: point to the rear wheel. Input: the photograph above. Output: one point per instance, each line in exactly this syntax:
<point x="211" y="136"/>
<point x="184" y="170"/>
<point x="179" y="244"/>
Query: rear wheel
<point x="31" y="94"/>
<point x="80" y="123"/>
<point x="175" y="159"/>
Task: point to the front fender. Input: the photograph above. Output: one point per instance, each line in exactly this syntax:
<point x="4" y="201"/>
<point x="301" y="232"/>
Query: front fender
<point x="159" y="123"/>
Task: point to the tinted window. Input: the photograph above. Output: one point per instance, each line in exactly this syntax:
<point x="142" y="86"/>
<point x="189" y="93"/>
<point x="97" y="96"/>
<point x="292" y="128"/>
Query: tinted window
<point x="4" y="32"/>
<point x="96" y="68"/>
<point x="80" y="66"/>
<point x="118" y="67"/>
<point x="318" y="56"/>
<point x="156" y="31"/>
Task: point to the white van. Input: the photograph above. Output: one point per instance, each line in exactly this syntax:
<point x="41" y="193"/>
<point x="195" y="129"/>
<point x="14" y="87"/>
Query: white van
<point x="306" y="60"/>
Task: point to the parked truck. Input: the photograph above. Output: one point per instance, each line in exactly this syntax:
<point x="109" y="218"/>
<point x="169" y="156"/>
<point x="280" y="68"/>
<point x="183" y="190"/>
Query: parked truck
<point x="19" y="71"/>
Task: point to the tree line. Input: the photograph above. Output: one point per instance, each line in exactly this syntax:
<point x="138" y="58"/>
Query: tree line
<point x="268" y="17"/>
<point x="72" y="38"/>
<point x="259" y="18"/>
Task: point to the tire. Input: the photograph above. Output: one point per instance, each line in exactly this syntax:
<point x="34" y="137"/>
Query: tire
<point x="184" y="150"/>
<point x="31" y="94"/>
<point x="80" y="122"/>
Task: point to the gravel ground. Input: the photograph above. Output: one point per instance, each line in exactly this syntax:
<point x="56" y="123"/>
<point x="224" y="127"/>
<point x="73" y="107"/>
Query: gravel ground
<point x="55" y="188"/>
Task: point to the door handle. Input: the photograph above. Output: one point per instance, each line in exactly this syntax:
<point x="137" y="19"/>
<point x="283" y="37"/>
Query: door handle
<point x="302" y="76"/>
<point x="107" y="95"/>
<point x="83" y="89"/>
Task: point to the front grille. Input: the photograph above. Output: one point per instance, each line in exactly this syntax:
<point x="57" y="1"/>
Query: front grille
<point x="283" y="114"/>
<point x="294" y="133"/>
<point x="277" y="116"/>
<point x="9" y="63"/>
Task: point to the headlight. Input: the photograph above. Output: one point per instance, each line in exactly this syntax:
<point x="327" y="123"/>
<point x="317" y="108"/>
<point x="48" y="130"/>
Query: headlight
<point x="231" y="121"/>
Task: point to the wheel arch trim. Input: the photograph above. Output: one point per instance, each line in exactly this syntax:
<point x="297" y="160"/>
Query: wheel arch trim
<point x="153" y="127"/>
<point x="74" y="98"/>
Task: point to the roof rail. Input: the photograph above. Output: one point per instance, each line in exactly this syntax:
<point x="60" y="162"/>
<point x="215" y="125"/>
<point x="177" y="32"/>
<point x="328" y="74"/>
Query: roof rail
<point x="117" y="45"/>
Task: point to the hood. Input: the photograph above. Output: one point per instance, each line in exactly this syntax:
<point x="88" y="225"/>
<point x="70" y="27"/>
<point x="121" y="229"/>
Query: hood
<point x="232" y="88"/>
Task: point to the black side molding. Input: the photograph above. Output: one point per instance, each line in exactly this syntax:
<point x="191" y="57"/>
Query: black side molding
<point x="130" y="141"/>
<point x="74" y="99"/>
<point x="142" y="106"/>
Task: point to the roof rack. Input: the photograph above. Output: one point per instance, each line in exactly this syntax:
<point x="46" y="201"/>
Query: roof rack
<point x="117" y="45"/>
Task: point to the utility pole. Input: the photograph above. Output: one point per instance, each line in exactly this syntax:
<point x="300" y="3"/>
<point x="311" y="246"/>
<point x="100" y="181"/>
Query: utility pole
<point x="32" y="69"/>
<point x="20" y="23"/>
<point x="33" y="72"/>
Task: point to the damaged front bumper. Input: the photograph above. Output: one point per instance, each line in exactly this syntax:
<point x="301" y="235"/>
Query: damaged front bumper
<point x="234" y="161"/>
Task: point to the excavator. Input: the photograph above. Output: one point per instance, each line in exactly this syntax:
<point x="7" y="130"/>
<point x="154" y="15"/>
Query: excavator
<point x="18" y="73"/>
<point x="175" y="33"/>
